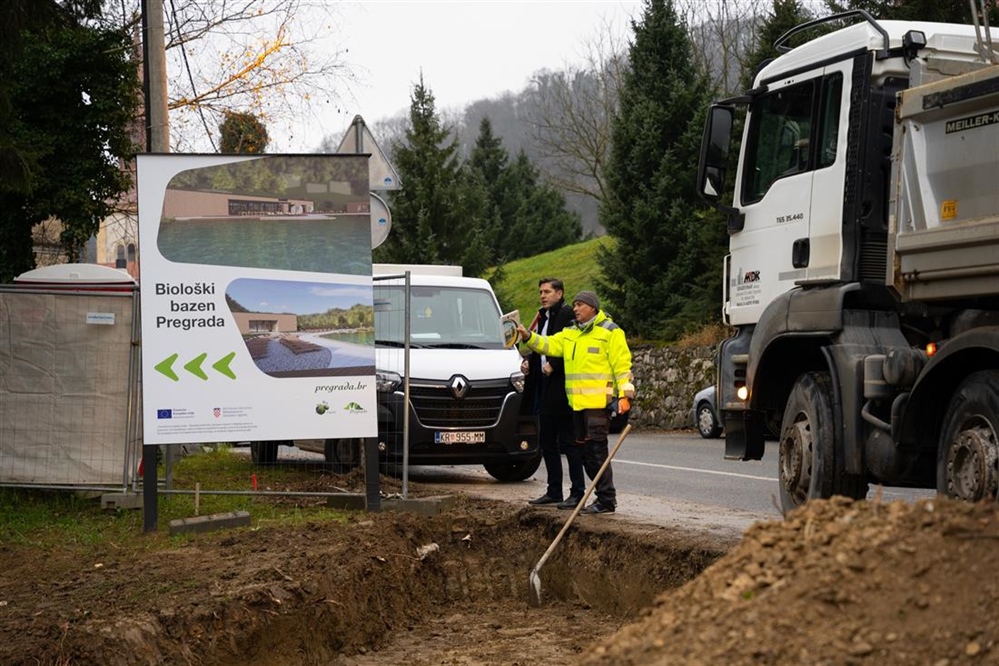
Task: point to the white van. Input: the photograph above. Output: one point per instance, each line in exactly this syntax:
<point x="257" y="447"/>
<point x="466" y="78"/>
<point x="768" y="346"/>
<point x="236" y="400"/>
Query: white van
<point x="466" y="387"/>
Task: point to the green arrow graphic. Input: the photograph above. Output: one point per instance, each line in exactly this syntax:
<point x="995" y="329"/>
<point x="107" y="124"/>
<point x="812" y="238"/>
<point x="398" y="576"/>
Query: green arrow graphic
<point x="222" y="365"/>
<point x="194" y="366"/>
<point x="163" y="367"/>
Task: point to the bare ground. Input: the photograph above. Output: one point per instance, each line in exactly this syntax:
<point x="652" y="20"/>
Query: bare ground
<point x="836" y="583"/>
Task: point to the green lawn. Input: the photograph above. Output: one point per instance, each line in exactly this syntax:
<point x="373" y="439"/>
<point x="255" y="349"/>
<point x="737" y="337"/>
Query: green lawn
<point x="576" y="265"/>
<point x="56" y="518"/>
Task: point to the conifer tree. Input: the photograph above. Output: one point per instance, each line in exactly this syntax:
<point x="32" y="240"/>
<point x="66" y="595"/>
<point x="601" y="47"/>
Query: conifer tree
<point x="437" y="215"/>
<point x="783" y="16"/>
<point x="943" y="11"/>
<point x="525" y="216"/>
<point x="663" y="275"/>
<point x="541" y="221"/>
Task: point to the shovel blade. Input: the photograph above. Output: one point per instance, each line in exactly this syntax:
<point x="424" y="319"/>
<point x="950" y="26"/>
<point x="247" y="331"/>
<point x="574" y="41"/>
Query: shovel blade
<point x="534" y="593"/>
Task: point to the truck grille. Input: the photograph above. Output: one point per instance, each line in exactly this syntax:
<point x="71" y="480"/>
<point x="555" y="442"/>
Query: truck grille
<point x="436" y="407"/>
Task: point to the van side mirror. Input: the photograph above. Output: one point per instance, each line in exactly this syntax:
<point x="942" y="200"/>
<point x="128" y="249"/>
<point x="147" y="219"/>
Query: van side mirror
<point x="713" y="164"/>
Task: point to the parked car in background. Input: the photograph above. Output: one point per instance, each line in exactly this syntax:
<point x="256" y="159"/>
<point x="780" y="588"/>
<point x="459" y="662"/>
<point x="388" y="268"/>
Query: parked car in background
<point x="704" y="414"/>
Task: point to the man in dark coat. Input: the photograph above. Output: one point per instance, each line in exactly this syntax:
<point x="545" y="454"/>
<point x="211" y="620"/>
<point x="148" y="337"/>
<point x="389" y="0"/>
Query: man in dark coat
<point x="547" y="398"/>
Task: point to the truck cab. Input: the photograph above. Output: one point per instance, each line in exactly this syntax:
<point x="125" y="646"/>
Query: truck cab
<point x="821" y="279"/>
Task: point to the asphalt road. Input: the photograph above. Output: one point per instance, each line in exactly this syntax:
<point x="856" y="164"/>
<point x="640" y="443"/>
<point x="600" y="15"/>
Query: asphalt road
<point x="687" y="466"/>
<point x="662" y="478"/>
<point x="666" y="479"/>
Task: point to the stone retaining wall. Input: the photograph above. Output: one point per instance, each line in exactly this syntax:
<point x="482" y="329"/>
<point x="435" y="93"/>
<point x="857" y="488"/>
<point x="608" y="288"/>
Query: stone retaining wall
<point x="666" y="379"/>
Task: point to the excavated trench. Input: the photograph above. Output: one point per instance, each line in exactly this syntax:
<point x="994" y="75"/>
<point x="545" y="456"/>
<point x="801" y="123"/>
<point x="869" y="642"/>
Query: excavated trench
<point x="464" y="596"/>
<point x="376" y="589"/>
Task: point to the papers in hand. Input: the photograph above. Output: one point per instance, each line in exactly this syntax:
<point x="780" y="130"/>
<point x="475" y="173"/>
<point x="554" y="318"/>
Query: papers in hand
<point x="509" y="322"/>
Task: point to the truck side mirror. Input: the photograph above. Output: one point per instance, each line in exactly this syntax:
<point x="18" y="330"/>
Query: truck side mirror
<point x="712" y="167"/>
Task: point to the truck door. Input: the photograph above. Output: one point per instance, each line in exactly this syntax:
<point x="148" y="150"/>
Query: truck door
<point x="790" y="190"/>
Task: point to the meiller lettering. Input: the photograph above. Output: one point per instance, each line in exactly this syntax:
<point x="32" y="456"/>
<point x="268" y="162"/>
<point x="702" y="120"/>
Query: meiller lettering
<point x="188" y="324"/>
<point x="183" y="289"/>
<point x="971" y="122"/>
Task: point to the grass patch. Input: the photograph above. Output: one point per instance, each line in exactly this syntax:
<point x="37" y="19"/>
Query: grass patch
<point x="576" y="265"/>
<point x="63" y="518"/>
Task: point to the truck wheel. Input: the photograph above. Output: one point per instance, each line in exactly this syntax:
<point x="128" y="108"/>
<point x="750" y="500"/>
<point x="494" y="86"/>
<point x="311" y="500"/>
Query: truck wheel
<point x="808" y="466"/>
<point x="968" y="454"/>
<point x="343" y="455"/>
<point x="517" y="471"/>
<point x="264" y="453"/>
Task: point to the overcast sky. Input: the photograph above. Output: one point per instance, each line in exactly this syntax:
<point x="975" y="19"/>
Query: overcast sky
<point x="467" y="50"/>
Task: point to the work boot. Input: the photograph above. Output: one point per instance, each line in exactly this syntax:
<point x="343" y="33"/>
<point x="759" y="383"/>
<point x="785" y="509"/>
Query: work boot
<point x="570" y="503"/>
<point x="597" y="507"/>
<point x="545" y="499"/>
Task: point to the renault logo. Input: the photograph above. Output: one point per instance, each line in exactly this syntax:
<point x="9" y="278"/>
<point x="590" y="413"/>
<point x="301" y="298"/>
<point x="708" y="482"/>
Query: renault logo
<point x="458" y="386"/>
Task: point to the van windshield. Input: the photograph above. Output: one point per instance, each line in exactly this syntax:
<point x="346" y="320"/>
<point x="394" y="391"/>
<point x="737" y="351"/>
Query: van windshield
<point x="447" y="317"/>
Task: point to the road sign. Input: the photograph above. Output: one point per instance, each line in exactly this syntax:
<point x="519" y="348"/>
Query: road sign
<point x="357" y="140"/>
<point x="381" y="220"/>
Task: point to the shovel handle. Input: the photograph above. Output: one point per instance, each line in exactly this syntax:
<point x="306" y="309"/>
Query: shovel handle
<point x="579" y="505"/>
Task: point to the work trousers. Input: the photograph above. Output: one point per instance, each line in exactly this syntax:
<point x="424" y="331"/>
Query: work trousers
<point x="557" y="437"/>
<point x="591" y="431"/>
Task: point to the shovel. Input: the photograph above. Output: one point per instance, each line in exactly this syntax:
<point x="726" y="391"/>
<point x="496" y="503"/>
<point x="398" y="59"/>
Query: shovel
<point x="535" y="577"/>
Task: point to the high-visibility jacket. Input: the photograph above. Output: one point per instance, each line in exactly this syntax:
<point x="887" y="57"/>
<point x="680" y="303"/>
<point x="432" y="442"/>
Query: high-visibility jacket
<point x="597" y="361"/>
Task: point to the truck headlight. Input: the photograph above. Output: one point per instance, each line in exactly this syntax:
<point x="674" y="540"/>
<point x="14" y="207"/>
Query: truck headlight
<point x="387" y="382"/>
<point x="517" y="380"/>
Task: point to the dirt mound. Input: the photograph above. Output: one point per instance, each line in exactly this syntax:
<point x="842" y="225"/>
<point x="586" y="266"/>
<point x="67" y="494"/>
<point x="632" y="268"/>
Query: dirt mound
<point x="837" y="582"/>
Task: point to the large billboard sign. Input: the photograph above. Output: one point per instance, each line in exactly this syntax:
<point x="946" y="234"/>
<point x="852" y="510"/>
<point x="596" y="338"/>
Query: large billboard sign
<point x="257" y="299"/>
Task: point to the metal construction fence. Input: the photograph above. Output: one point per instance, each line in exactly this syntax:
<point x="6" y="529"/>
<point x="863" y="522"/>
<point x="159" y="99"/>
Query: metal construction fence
<point x="69" y="386"/>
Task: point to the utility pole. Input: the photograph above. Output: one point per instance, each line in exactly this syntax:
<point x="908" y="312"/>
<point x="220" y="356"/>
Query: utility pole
<point x="154" y="77"/>
<point x="154" y="90"/>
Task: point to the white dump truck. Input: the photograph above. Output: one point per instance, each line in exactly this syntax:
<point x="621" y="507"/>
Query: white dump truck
<point x="862" y="280"/>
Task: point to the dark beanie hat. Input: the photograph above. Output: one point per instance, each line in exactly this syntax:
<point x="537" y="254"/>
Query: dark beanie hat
<point x="589" y="298"/>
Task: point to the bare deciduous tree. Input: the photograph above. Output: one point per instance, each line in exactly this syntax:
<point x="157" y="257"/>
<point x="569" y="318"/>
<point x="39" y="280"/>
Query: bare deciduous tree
<point x="571" y="112"/>
<point x="272" y="58"/>
<point x="721" y="34"/>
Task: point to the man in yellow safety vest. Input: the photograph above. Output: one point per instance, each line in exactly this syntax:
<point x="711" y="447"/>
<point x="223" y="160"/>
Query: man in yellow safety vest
<point x="598" y="382"/>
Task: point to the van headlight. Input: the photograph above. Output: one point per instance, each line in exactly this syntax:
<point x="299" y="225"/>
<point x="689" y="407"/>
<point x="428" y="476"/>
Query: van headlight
<point x="387" y="382"/>
<point x="517" y="380"/>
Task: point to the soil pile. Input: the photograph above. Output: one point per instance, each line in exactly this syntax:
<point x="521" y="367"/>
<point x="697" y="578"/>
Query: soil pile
<point x="837" y="582"/>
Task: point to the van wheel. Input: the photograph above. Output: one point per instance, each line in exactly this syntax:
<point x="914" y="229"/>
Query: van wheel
<point x="515" y="471"/>
<point x="343" y="455"/>
<point x="968" y="454"/>
<point x="264" y="453"/>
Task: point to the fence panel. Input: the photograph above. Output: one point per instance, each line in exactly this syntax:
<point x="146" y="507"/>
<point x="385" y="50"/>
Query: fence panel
<point x="68" y="387"/>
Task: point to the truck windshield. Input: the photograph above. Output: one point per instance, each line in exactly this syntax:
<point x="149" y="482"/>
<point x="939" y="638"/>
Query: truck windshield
<point x="440" y="317"/>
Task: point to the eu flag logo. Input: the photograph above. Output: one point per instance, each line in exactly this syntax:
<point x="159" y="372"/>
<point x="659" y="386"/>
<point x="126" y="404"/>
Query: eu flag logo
<point x="164" y="413"/>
